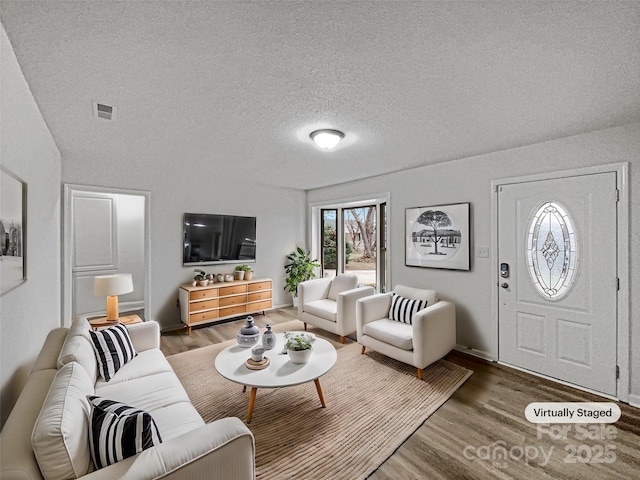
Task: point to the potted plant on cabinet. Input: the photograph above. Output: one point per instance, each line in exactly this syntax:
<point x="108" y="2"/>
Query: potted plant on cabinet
<point x="200" y="277"/>
<point x="245" y="272"/>
<point x="299" y="269"/>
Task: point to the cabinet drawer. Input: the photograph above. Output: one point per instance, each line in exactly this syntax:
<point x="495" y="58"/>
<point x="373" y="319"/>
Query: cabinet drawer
<point x="206" y="305"/>
<point x="257" y="306"/>
<point x="202" y="294"/>
<point x="234" y="300"/>
<point x="232" y="290"/>
<point x="254" y="287"/>
<point x="199" y="317"/>
<point x="254" y="297"/>
<point x="232" y="310"/>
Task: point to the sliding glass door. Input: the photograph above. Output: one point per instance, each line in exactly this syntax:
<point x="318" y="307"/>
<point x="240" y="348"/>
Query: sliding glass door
<point x="329" y="253"/>
<point x="353" y="240"/>
<point x="360" y="243"/>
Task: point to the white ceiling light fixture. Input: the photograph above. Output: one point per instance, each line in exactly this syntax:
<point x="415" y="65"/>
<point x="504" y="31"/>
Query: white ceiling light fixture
<point x="326" y="139"/>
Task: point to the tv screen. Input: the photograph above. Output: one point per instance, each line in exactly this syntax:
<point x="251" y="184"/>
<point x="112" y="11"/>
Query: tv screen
<point x="210" y="239"/>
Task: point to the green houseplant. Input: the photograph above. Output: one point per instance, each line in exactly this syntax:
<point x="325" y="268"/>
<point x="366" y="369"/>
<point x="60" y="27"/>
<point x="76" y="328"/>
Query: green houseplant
<point x="299" y="269"/>
<point x="200" y="277"/>
<point x="246" y="269"/>
<point x="299" y="347"/>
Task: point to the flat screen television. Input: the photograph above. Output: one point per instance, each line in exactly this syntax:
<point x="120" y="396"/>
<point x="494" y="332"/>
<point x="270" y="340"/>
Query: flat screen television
<point x="211" y="239"/>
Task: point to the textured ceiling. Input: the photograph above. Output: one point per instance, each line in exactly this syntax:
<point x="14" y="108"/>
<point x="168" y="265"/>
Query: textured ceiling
<point x="236" y="87"/>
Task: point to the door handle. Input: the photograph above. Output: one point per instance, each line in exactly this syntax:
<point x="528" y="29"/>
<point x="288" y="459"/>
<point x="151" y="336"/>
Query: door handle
<point x="504" y="285"/>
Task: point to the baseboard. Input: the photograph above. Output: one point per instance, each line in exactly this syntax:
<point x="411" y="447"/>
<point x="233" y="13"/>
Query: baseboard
<point x="172" y="328"/>
<point x="284" y="305"/>
<point x="634" y="401"/>
<point x="476" y="353"/>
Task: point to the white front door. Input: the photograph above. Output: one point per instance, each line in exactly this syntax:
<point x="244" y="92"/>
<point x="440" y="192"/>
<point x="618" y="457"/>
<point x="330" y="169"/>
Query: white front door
<point x="557" y="251"/>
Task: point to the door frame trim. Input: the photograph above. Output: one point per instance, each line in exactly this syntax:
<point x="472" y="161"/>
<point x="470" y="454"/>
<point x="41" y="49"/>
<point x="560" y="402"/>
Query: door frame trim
<point x="623" y="256"/>
<point x="67" y="234"/>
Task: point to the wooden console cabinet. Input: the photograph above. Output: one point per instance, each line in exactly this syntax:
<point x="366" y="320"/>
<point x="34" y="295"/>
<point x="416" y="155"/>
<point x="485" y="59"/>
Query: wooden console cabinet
<point x="200" y="305"/>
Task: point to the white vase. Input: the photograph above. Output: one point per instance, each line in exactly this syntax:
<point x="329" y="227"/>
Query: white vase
<point x="299" y="356"/>
<point x="295" y="300"/>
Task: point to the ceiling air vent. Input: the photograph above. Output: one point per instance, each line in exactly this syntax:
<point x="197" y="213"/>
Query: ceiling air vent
<point x="106" y="112"/>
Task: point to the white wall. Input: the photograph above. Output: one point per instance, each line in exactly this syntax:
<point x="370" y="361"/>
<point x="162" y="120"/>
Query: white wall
<point x="27" y="149"/>
<point x="469" y="180"/>
<point x="279" y="215"/>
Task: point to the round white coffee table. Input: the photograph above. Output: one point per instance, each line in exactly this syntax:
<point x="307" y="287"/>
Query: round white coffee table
<point x="280" y="372"/>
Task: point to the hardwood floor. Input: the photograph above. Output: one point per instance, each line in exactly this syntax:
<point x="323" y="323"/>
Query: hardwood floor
<point x="463" y="439"/>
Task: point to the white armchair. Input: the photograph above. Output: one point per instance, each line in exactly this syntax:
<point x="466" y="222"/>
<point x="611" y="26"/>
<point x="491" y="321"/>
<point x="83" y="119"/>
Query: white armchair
<point x="430" y="337"/>
<point x="330" y="303"/>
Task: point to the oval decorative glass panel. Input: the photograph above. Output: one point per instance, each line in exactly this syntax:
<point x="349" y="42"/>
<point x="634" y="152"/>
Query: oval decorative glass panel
<point x="552" y="251"/>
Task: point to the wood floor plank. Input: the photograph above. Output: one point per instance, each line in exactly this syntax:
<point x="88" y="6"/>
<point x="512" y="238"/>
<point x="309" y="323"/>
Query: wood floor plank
<point x="485" y="413"/>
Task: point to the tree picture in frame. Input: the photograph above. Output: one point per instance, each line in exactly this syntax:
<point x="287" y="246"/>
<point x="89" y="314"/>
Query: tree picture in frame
<point x="438" y="236"/>
<point x="13" y="199"/>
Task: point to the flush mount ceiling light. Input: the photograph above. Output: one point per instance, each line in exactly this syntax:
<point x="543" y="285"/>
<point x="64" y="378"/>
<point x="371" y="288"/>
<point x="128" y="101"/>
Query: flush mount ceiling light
<point x="326" y="139"/>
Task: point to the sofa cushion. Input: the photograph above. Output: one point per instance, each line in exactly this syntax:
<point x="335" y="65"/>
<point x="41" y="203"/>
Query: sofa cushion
<point x="176" y="419"/>
<point x="118" y="431"/>
<point x="149" y="362"/>
<point x="403" y="309"/>
<point x="148" y="393"/>
<point x="78" y="348"/>
<point x="60" y="434"/>
<point x="80" y="326"/>
<point x="342" y="283"/>
<point x="391" y="332"/>
<point x="324" y="308"/>
<point x="431" y="296"/>
<point x="113" y="349"/>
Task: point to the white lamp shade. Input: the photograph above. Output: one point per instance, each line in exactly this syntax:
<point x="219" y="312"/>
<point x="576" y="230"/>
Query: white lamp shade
<point x="116" y="284"/>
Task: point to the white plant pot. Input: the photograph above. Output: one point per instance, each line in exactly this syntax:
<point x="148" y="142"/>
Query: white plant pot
<point x="299" y="356"/>
<point x="295" y="300"/>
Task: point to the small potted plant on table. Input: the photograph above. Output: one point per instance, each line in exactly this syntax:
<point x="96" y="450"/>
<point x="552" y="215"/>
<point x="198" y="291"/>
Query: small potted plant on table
<point x="299" y="347"/>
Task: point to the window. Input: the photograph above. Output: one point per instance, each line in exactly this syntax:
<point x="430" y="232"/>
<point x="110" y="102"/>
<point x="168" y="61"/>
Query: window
<point x="552" y="251"/>
<point x="351" y="238"/>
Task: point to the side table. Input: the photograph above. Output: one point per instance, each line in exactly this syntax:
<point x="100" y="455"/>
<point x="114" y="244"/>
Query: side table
<point x="102" y="321"/>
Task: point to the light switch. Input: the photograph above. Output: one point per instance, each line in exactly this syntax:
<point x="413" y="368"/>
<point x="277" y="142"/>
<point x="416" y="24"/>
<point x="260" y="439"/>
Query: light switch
<point x="482" y="252"/>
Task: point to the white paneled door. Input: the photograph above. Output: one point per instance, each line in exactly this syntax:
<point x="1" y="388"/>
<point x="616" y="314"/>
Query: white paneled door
<point x="558" y="278"/>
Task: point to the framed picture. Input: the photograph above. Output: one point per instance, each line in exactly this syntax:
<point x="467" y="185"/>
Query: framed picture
<point x="13" y="216"/>
<point x="438" y="236"/>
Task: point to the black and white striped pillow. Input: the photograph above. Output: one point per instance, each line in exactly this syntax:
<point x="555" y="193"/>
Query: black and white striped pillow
<point x="403" y="309"/>
<point x="118" y="431"/>
<point x="113" y="349"/>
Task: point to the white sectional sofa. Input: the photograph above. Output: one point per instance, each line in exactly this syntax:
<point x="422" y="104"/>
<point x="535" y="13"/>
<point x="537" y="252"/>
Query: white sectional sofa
<point x="47" y="432"/>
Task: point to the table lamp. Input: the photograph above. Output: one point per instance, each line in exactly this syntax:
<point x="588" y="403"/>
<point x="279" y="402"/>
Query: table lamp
<point x="111" y="286"/>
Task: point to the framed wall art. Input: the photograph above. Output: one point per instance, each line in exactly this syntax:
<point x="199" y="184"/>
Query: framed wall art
<point x="438" y="236"/>
<point x="13" y="216"/>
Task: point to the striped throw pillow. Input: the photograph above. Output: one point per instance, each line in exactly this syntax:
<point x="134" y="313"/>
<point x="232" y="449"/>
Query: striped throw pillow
<point x="118" y="431"/>
<point x="113" y="349"/>
<point x="403" y="309"/>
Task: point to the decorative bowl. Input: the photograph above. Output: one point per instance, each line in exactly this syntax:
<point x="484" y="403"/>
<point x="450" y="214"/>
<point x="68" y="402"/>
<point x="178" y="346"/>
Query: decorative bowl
<point x="247" y="340"/>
